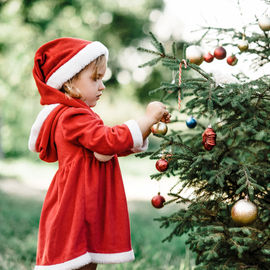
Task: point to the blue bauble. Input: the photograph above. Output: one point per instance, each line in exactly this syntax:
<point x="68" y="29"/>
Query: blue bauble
<point x="191" y="122"/>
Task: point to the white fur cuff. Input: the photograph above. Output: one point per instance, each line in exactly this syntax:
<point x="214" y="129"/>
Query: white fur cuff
<point x="138" y="143"/>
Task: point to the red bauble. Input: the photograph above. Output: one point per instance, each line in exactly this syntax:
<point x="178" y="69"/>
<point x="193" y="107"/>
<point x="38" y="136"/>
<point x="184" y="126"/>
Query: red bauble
<point x="209" y="139"/>
<point x="158" y="201"/>
<point x="162" y="165"/>
<point x="232" y="60"/>
<point x="208" y="57"/>
<point x="220" y="53"/>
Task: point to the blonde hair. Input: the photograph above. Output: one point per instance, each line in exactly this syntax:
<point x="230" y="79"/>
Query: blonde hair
<point x="73" y="92"/>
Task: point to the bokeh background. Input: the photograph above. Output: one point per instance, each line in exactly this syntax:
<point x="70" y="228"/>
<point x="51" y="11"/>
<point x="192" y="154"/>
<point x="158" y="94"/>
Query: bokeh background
<point x="122" y="25"/>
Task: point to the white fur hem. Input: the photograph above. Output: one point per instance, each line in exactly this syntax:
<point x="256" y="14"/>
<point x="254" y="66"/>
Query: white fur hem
<point x="89" y="257"/>
<point x="42" y="116"/>
<point x="138" y="143"/>
<point x="74" y="65"/>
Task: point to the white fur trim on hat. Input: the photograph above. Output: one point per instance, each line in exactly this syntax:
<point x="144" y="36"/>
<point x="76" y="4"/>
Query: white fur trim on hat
<point x="42" y="116"/>
<point x="89" y="257"/>
<point x="75" y="64"/>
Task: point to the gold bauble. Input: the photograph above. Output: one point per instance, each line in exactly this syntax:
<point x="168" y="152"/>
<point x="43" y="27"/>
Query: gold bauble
<point x="194" y="54"/>
<point x="244" y="212"/>
<point x="264" y="23"/>
<point x="243" y="45"/>
<point x="159" y="128"/>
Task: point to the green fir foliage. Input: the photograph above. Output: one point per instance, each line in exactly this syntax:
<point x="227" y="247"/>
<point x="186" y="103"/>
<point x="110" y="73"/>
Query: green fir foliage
<point x="238" y="166"/>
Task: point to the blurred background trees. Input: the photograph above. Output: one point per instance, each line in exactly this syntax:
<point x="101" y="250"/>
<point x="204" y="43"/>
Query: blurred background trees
<point x="25" y="25"/>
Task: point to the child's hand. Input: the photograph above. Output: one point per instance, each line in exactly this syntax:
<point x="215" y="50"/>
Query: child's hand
<point x="166" y="118"/>
<point x="102" y="158"/>
<point x="156" y="111"/>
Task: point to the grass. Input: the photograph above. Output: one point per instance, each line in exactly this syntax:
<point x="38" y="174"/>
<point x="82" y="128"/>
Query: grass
<point x="18" y="232"/>
<point x="19" y="226"/>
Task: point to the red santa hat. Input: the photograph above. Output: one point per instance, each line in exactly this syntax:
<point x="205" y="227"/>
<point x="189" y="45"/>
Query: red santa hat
<point x="58" y="61"/>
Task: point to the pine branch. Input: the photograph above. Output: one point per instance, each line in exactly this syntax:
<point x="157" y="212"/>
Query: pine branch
<point x="157" y="44"/>
<point x="150" y="51"/>
<point x="151" y="62"/>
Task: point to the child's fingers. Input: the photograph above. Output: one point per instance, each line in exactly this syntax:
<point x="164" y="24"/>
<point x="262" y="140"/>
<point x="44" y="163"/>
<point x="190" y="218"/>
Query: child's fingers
<point x="166" y="117"/>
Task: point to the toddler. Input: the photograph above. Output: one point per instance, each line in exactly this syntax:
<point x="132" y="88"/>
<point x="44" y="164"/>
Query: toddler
<point x="84" y="219"/>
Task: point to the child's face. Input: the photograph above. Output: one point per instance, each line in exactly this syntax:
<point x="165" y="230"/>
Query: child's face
<point x="90" y="86"/>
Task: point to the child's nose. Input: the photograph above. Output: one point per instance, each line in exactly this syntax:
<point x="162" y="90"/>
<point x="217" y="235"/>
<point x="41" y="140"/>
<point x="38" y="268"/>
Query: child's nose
<point x="101" y="86"/>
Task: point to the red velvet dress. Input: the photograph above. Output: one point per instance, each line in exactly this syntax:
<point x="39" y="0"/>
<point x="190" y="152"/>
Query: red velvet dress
<point x="84" y="217"/>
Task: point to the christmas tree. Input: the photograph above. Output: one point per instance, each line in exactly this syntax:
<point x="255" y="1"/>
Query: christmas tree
<point x="223" y="155"/>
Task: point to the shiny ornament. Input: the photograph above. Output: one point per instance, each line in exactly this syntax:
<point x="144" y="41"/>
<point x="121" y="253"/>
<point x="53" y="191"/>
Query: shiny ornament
<point x="220" y="53"/>
<point x="232" y="60"/>
<point x="264" y="23"/>
<point x="162" y="165"/>
<point x="243" y="45"/>
<point x="159" y="128"/>
<point x="244" y="212"/>
<point x="191" y="122"/>
<point x="208" y="57"/>
<point x="209" y="138"/>
<point x="194" y="54"/>
<point x="158" y="201"/>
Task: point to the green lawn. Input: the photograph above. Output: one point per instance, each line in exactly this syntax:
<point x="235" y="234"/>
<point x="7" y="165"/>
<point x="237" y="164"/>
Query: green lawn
<point x="19" y="225"/>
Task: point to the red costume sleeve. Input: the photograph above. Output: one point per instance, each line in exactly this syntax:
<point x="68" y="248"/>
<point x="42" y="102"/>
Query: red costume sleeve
<point x="81" y="126"/>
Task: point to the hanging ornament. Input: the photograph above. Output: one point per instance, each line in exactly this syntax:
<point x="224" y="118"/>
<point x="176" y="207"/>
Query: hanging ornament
<point x="244" y="212"/>
<point x="264" y="23"/>
<point x="162" y="164"/>
<point x="232" y="60"/>
<point x="209" y="138"/>
<point x="243" y="45"/>
<point x="194" y="54"/>
<point x="158" y="201"/>
<point x="220" y="53"/>
<point x="208" y="57"/>
<point x="191" y="122"/>
<point x="160" y="128"/>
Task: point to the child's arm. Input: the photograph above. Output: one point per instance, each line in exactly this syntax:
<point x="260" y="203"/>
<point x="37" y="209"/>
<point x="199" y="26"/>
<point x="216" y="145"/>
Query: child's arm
<point x="82" y="127"/>
<point x="155" y="112"/>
